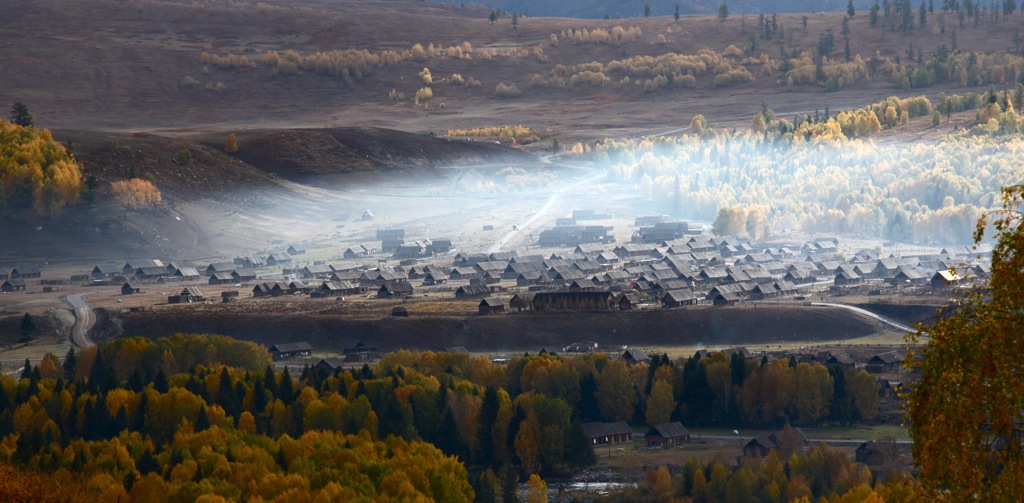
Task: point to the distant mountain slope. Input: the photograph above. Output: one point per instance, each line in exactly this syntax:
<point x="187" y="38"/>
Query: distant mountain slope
<point x="594" y="9"/>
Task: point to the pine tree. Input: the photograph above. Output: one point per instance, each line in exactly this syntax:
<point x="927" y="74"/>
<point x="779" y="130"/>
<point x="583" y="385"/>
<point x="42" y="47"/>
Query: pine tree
<point x="20" y="115"/>
<point x="723" y="12"/>
<point x="26" y="370"/>
<point x="849" y="9"/>
<point x="676" y="15"/>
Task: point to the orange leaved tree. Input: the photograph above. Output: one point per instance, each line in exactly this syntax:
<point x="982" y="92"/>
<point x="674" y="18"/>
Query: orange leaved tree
<point x="967" y="411"/>
<point x="135" y="194"/>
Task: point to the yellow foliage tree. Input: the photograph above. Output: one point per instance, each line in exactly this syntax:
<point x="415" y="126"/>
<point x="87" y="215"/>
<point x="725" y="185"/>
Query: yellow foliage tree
<point x="36" y="171"/>
<point x="231" y="145"/>
<point x="135" y="194"/>
<point x="972" y="378"/>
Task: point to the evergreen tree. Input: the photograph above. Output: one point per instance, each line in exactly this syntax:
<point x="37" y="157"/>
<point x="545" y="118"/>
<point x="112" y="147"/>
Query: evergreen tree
<point x="160" y="382"/>
<point x="488" y="415"/>
<point x="28" y="325"/>
<point x="20" y="115"/>
<point x="487" y="488"/>
<point x="286" y="390"/>
<point x="723" y="12"/>
<point x="849" y="9"/>
<point x="26" y="370"/>
<point x="579" y="451"/>
<point x="676" y="15"/>
<point x="647" y="9"/>
<point x="202" y="420"/>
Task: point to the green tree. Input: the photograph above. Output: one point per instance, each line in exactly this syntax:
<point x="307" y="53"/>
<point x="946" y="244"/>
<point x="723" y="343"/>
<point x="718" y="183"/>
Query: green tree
<point x="873" y="15"/>
<point x="723" y="12"/>
<point x="28" y="325"/>
<point x="849" y="9"/>
<point x="20" y="115"/>
<point x="515" y="20"/>
<point x="972" y="379"/>
<point x="647" y="9"/>
<point x="676" y="15"/>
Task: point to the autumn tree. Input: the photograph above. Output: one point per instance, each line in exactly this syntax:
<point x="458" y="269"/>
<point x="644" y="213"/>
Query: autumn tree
<point x="972" y="378"/>
<point x="231" y="145"/>
<point x="661" y="403"/>
<point x="36" y="171"/>
<point x="616" y="392"/>
<point x="135" y="194"/>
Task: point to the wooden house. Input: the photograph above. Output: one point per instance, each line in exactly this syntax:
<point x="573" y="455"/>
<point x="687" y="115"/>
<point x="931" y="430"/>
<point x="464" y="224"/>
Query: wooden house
<point x="847" y="277"/>
<point x="13" y="285"/>
<point x="394" y="290"/>
<point x="25" y="272"/>
<point x="521" y="301"/>
<point x="221" y="278"/>
<point x="278" y="258"/>
<point x="667" y="434"/>
<point x="492" y="305"/>
<point x="635" y="356"/>
<point x="944" y="279"/>
<point x="151" y="272"/>
<point x="720" y="298"/>
<point x="435" y="278"/>
<point x="600" y="300"/>
<point x="103" y="272"/>
<point x="191" y="294"/>
<point x="870" y="454"/>
<point x="241" y="276"/>
<point x="758" y="447"/>
<point x="627" y="302"/>
<point x="128" y="289"/>
<point x="328" y="366"/>
<point x="884" y="362"/>
<point x="678" y="298"/>
<point x="472" y="292"/>
<point x="185" y="273"/>
<point x="286" y="350"/>
<point x="608" y="433"/>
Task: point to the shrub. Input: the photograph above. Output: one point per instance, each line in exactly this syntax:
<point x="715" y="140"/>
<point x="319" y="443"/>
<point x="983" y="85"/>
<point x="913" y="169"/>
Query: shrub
<point x="503" y="90"/>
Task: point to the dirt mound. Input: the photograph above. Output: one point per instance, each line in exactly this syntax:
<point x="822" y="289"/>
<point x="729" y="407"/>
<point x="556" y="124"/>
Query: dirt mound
<point x="761" y="325"/>
<point x="300" y="153"/>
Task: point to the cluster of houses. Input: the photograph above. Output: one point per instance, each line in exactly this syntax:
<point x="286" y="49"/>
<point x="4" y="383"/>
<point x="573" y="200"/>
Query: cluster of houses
<point x="14" y="279"/>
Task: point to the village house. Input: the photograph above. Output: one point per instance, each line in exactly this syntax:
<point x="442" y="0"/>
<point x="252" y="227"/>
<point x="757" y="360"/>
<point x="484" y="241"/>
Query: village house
<point x="278" y="258"/>
<point x="185" y="273"/>
<point x="635" y="356"/>
<point x="221" y="267"/>
<point x="394" y="289"/>
<point x="241" y="276"/>
<point x="600" y="300"/>
<point x="608" y="433"/>
<point x="521" y="301"/>
<point x="128" y="289"/>
<point x="103" y="272"/>
<point x="151" y="272"/>
<point x="667" y="435"/>
<point x="286" y="350"/>
<point x="946" y="278"/>
<point x="492" y="305"/>
<point x="221" y="278"/>
<point x="25" y="272"/>
<point x="627" y="302"/>
<point x="356" y="251"/>
<point x="678" y="298"/>
<point x="884" y="362"/>
<point x="472" y="292"/>
<point x="328" y="366"/>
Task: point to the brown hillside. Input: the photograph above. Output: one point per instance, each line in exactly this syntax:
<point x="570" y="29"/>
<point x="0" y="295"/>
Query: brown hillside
<point x="108" y="64"/>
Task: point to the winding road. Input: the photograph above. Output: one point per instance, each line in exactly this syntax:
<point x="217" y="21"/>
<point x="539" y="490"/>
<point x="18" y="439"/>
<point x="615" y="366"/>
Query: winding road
<point x="865" y="312"/>
<point x="85" y="318"/>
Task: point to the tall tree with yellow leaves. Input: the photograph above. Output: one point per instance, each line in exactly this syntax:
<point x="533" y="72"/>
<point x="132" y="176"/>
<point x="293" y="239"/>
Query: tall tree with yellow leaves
<point x="966" y="415"/>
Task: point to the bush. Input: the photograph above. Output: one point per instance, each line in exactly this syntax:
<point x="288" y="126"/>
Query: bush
<point x="503" y="90"/>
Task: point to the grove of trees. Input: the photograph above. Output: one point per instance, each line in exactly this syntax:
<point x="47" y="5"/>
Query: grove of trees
<point x="36" y="171"/>
<point x="826" y="175"/>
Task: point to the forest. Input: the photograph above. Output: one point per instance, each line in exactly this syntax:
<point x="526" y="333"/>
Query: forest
<point x="173" y="419"/>
<point x="828" y="174"/>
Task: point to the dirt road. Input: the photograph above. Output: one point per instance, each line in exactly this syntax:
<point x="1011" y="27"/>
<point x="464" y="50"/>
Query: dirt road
<point x="85" y="318"/>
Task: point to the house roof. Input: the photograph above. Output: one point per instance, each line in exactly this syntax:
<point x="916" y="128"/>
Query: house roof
<point x="290" y="347"/>
<point x="636" y="354"/>
<point x="669" y="430"/>
<point x="492" y="302"/>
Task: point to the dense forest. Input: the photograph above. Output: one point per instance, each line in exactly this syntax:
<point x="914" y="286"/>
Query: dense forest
<point x="173" y="419"/>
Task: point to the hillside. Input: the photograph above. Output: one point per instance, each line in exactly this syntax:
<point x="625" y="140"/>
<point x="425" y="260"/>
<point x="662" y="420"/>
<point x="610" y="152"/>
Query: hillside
<point x="595" y="9"/>
<point x="71" y="66"/>
<point x="214" y="186"/>
<point x="527" y="332"/>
